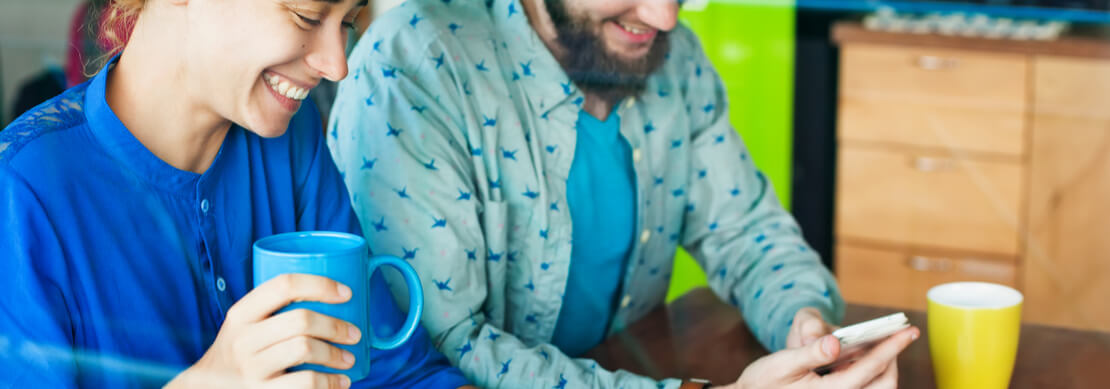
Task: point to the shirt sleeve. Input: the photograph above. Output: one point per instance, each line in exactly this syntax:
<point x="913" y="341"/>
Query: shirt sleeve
<point x="422" y="196"/>
<point x="36" y="341"/>
<point x="324" y="205"/>
<point x="750" y="247"/>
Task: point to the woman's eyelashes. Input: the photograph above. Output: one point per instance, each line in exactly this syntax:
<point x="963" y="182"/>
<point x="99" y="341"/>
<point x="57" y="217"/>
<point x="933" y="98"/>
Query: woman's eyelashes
<point x="307" y="20"/>
<point x="317" y="22"/>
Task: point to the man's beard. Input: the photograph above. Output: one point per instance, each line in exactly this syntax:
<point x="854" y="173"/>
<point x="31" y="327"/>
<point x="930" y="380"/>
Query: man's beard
<point x="593" y="68"/>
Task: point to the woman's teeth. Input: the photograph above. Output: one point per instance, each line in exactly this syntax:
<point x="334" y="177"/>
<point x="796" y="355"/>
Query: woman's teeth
<point x="285" y="88"/>
<point x="633" y="30"/>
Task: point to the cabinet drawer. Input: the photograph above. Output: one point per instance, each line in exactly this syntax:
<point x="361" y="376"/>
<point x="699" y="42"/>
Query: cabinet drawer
<point x="908" y="198"/>
<point x="898" y="279"/>
<point x="934" y="98"/>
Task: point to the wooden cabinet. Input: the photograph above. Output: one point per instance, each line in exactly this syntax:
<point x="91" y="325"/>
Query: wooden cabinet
<point x="900" y="278"/>
<point x="1067" y="281"/>
<point x="936" y="98"/>
<point x="965" y="159"/>
<point x="922" y="198"/>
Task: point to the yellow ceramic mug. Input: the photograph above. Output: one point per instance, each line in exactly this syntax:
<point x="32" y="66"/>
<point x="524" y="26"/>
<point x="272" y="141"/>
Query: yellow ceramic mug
<point x="973" y="334"/>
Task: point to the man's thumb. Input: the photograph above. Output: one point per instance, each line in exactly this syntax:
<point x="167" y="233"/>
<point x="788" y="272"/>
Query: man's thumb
<point x="820" y="353"/>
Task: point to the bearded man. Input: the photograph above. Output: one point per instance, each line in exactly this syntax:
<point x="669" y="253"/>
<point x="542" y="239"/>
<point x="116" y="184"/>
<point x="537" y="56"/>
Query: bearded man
<point x="539" y="162"/>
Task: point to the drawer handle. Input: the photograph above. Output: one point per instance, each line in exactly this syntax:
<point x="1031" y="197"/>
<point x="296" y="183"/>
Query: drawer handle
<point x="935" y="63"/>
<point x="926" y="264"/>
<point x="986" y="269"/>
<point x="928" y="164"/>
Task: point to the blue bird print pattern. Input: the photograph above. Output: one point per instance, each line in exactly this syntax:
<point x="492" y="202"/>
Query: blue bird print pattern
<point x="531" y="194"/>
<point x="368" y="164"/>
<point x="488" y="122"/>
<point x="443" y="286"/>
<point x="403" y="193"/>
<point x="562" y="383"/>
<point x="464" y="349"/>
<point x="409" y="254"/>
<point x="494" y="257"/>
<point x="380" y="225"/>
<point x="392" y="131"/>
<point x="461" y="113"/>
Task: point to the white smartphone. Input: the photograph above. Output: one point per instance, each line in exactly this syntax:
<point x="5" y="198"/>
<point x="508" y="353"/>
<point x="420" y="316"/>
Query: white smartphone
<point x="856" y="339"/>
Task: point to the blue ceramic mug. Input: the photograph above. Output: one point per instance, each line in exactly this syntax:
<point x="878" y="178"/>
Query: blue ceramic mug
<point x="343" y="258"/>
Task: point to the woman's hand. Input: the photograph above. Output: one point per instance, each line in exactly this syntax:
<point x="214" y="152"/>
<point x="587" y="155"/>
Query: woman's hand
<point x="253" y="349"/>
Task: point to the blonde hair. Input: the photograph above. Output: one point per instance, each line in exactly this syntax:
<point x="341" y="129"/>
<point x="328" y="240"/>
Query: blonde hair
<point x="112" y="29"/>
<point x="118" y="23"/>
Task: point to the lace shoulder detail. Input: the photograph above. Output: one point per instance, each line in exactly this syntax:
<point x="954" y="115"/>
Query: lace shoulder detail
<point x="64" y="111"/>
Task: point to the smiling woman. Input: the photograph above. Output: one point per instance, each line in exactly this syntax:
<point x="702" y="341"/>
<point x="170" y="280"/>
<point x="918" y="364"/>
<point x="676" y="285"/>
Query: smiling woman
<point x="132" y="257"/>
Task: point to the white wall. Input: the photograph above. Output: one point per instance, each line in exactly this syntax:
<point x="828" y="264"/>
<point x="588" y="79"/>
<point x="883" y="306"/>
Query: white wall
<point x="32" y="33"/>
<point x="380" y="6"/>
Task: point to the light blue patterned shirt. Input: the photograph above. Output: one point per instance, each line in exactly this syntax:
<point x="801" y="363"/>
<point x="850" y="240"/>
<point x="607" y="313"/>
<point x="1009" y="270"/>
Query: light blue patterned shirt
<point x="455" y="133"/>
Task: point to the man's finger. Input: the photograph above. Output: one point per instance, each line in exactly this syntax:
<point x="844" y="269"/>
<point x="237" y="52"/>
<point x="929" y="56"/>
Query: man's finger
<point x="873" y="364"/>
<point x="802" y="360"/>
<point x="887" y="380"/>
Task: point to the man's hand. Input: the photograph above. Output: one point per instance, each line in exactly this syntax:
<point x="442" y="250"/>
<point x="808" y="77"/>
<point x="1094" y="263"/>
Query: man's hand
<point x="807" y="328"/>
<point x="793" y="367"/>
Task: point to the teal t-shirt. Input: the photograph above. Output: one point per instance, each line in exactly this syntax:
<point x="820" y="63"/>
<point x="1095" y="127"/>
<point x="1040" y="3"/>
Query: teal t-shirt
<point x="602" y="201"/>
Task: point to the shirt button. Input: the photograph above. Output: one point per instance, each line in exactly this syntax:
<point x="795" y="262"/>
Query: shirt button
<point x="645" y="236"/>
<point x="637" y="155"/>
<point x="625" y="301"/>
<point x="220" y="284"/>
<point x="630" y="103"/>
<point x="204" y="205"/>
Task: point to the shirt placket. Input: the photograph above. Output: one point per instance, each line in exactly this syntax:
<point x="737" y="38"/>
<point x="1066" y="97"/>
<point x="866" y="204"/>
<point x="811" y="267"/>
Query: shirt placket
<point x="635" y="143"/>
<point x="214" y="280"/>
<point x="553" y="269"/>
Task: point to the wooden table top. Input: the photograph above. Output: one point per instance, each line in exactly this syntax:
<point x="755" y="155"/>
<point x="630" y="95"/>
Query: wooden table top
<point x="700" y="336"/>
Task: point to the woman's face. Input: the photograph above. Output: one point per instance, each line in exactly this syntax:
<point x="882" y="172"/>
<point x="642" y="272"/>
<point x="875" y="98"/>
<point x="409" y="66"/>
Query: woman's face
<point x="254" y="61"/>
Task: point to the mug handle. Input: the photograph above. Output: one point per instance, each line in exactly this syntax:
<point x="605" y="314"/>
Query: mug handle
<point x="416" y="302"/>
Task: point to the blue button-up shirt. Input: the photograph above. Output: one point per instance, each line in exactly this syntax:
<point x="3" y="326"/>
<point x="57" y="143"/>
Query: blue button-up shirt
<point x="456" y="131"/>
<point x="119" y="268"/>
